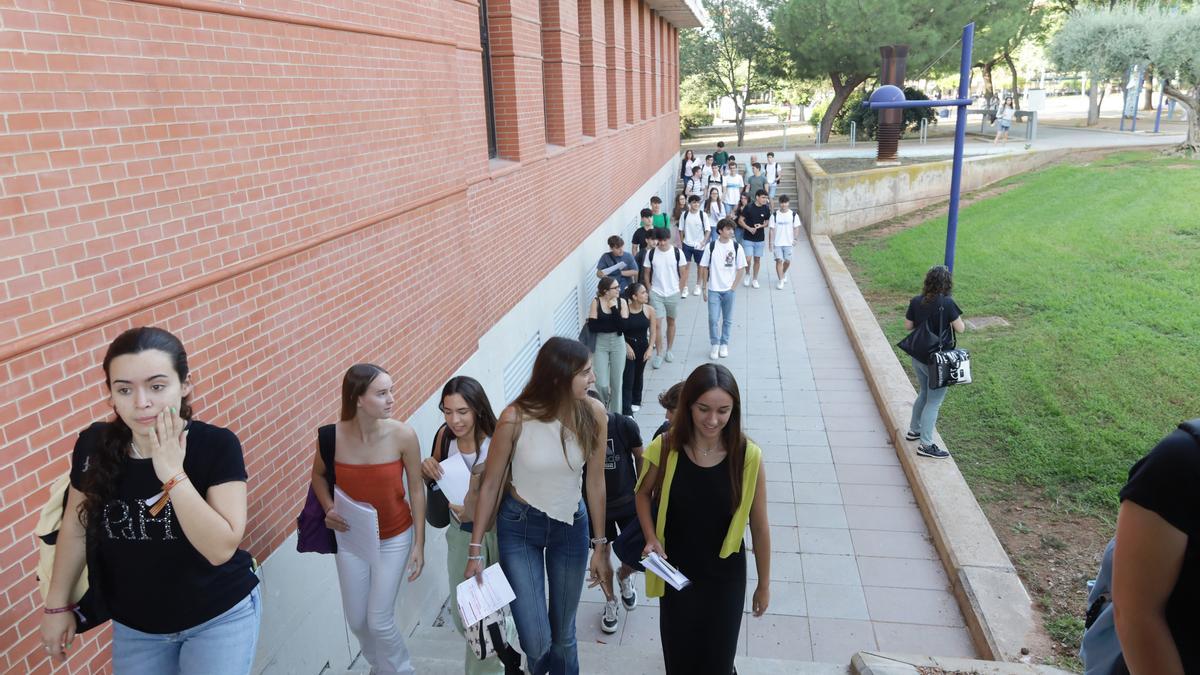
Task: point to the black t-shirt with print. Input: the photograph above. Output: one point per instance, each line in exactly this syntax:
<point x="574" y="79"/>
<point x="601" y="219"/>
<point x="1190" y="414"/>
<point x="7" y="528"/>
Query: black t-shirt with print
<point x="919" y="311"/>
<point x="756" y="215"/>
<point x="620" y="466"/>
<point x="151" y="577"/>
<point x="1164" y="482"/>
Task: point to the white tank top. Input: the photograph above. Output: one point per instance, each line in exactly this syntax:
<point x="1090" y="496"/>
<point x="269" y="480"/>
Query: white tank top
<point x="468" y="458"/>
<point x="542" y="476"/>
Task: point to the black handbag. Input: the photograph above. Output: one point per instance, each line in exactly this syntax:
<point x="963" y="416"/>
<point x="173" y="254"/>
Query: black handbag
<point x="437" y="507"/>
<point x="923" y="342"/>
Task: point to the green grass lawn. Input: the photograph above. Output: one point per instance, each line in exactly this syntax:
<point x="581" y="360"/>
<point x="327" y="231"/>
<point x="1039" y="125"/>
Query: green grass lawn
<point x="1097" y="267"/>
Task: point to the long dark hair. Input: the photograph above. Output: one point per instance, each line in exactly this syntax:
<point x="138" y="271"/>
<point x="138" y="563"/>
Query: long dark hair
<point x="937" y="282"/>
<point x="103" y="471"/>
<point x="354" y="384"/>
<point x="477" y="400"/>
<point x="703" y="378"/>
<point x="548" y="394"/>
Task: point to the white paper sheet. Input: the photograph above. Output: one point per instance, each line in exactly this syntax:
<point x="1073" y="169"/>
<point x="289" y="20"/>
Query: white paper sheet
<point x="455" y="480"/>
<point x="666" y="571"/>
<point x="620" y="265"/>
<point x="476" y="600"/>
<point x="362" y="539"/>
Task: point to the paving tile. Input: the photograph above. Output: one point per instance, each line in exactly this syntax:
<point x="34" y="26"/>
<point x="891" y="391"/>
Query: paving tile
<point x="833" y="601"/>
<point x="813" y="473"/>
<point x="779" y="637"/>
<point x="903" y="573"/>
<point x="780" y="491"/>
<point x="799" y="423"/>
<point x="877" y="495"/>
<point x="810" y="454"/>
<point x="785" y="539"/>
<point x="821" y="515"/>
<point x="857" y="439"/>
<point x="640" y="630"/>
<point x="912" y="605"/>
<point x="864" y="411"/>
<point x="871" y="475"/>
<point x="787" y="598"/>
<point x="853" y="424"/>
<point x="797" y="400"/>
<point x="893" y="544"/>
<point x="859" y="396"/>
<point x="856" y="455"/>
<point x="817" y="493"/>
<point x="765" y="437"/>
<point x="772" y="452"/>
<point x="785" y="566"/>
<point x="828" y="372"/>
<point x="892" y="518"/>
<point x="828" y="540"/>
<point x="809" y="437"/>
<point x="850" y="386"/>
<point x="781" y="470"/>
<point x="821" y="568"/>
<point x="781" y="513"/>
<point x="907" y="638"/>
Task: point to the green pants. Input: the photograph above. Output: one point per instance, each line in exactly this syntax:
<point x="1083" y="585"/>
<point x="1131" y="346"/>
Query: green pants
<point x="608" y="364"/>
<point x="456" y="564"/>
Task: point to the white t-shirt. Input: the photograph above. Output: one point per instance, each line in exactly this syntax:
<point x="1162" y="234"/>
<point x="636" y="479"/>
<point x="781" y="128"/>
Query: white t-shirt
<point x="772" y="172"/>
<point x="694" y="227"/>
<point x="468" y="458"/>
<point x="687" y="166"/>
<point x="730" y="258"/>
<point x="782" y="224"/>
<point x="694" y="186"/>
<point x="708" y="173"/>
<point x="664" y="279"/>
<point x="716" y="212"/>
<point x="733" y="188"/>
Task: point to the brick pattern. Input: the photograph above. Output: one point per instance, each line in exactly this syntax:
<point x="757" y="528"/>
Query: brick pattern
<point x="280" y="183"/>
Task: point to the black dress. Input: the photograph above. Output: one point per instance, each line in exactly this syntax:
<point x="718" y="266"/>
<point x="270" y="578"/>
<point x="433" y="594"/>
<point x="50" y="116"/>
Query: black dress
<point x="699" y="625"/>
<point x="637" y="335"/>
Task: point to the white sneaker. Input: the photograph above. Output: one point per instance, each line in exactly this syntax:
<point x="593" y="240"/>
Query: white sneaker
<point x="754" y="283"/>
<point x="684" y="292"/>
<point x="779" y="285"/>
<point x="724" y="351"/>
<point x="609" y="622"/>
<point x="785" y="277"/>
<point x="696" y="290"/>
<point x="714" y="353"/>
<point x="670" y="356"/>
<point x="746" y="282"/>
<point x="629" y="595"/>
<point x="635" y="407"/>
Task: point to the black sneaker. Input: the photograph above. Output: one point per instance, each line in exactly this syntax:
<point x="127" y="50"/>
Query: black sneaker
<point x="609" y="622"/>
<point x="629" y="594"/>
<point x="932" y="450"/>
<point x="912" y="436"/>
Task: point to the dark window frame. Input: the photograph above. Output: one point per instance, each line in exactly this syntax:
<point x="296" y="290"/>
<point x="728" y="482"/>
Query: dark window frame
<point x="489" y="100"/>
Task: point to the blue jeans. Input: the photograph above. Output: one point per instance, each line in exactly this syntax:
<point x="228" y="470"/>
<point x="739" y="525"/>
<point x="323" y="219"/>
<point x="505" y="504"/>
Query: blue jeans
<point x="925" y="408"/>
<point x="771" y="190"/>
<point x="224" y="644"/>
<point x="720" y="309"/>
<point x="534" y="547"/>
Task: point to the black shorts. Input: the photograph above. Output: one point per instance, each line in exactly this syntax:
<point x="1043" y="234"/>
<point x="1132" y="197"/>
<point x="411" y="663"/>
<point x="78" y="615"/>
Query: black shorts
<point x="614" y="526"/>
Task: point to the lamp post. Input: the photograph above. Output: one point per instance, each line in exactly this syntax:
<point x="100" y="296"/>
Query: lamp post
<point x="890" y="96"/>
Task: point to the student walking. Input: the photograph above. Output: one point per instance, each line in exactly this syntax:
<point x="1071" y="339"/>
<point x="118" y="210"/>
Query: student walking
<point x="660" y="220"/>
<point x="373" y="456"/>
<point x="695" y="183"/>
<point x="772" y="172"/>
<point x="937" y="306"/>
<point x="157" y="510"/>
<point x="606" y="319"/>
<point x="641" y="329"/>
<point x="695" y="228"/>
<point x="711" y="173"/>
<point x="714" y="206"/>
<point x="708" y="483"/>
<point x="617" y="264"/>
<point x="733" y="185"/>
<point x="686" y="165"/>
<point x="785" y="227"/>
<point x="466" y="434"/>
<point x="680" y="207"/>
<point x="720" y="157"/>
<point x="642" y="237"/>
<point x="666" y="275"/>
<point x="1004" y="120"/>
<point x="754" y="220"/>
<point x="547" y="436"/>
<point x="756" y="181"/>
<point x="668" y="399"/>
<point x="736" y="217"/>
<point x="721" y="267"/>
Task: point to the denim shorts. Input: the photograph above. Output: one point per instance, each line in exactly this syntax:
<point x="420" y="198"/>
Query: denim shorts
<point x="754" y="249"/>
<point x="783" y="252"/>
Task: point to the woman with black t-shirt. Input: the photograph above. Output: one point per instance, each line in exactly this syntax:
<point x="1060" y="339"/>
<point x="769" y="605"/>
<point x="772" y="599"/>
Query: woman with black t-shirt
<point x="162" y="500"/>
<point x="640" y="329"/>
<point x="936" y="306"/>
<point x="1156" y="564"/>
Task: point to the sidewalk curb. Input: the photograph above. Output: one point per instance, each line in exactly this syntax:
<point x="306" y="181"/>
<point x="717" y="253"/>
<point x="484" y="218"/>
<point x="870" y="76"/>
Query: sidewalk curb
<point x="876" y="663"/>
<point x="998" y="611"/>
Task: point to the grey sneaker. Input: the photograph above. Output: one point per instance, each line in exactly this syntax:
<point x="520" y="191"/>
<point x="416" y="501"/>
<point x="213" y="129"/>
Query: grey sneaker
<point x="932" y="450"/>
<point x="610" y="622"/>
<point x="656" y="362"/>
<point x="629" y="594"/>
<point x="670" y="356"/>
<point x="912" y="436"/>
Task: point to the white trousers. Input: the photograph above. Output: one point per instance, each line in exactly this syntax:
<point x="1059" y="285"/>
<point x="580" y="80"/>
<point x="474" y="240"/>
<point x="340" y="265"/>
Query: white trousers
<point x="369" y="601"/>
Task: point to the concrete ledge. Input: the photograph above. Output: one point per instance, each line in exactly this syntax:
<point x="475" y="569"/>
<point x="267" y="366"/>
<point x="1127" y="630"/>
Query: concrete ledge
<point x="875" y="663"/>
<point x="998" y="611"/>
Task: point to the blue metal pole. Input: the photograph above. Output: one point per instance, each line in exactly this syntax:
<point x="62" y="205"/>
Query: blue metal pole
<point x="1138" y="96"/>
<point x="960" y="139"/>
<point x="1162" y="93"/>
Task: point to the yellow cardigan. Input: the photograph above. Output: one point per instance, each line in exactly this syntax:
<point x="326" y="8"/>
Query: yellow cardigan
<point x="655" y="586"/>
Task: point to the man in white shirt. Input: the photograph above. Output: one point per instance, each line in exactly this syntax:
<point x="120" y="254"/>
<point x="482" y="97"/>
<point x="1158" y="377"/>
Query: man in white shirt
<point x="785" y="227"/>
<point x="733" y="185"/>
<point x="694" y="231"/>
<point x="710" y="172"/>
<point x="666" y="272"/>
<point x="694" y="184"/>
<point x="721" y="268"/>
<point x="772" y="172"/>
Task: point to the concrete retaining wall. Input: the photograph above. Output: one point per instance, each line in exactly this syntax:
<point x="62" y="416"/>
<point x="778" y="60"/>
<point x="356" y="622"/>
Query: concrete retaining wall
<point x="832" y="203"/>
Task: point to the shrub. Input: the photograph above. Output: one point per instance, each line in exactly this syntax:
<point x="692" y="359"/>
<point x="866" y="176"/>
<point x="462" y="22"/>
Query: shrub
<point x="818" y="111"/>
<point x="692" y="115"/>
<point x="868" y="120"/>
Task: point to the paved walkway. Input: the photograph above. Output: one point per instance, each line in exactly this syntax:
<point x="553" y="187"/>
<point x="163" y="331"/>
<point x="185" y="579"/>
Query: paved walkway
<point x="852" y="564"/>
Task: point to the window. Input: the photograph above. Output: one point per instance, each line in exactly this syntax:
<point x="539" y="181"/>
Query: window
<point x="489" y="105"/>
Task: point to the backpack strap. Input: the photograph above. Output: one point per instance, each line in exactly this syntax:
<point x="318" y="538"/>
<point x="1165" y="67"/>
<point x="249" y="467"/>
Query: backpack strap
<point x="326" y="441"/>
<point x="1192" y="428"/>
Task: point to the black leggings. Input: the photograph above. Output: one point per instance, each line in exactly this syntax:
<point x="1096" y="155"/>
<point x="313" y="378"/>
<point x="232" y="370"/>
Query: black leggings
<point x="699" y="625"/>
<point x="631" y="383"/>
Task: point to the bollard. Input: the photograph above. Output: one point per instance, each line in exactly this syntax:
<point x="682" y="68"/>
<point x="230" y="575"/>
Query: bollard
<point x="924" y="130"/>
<point x="853" y="132"/>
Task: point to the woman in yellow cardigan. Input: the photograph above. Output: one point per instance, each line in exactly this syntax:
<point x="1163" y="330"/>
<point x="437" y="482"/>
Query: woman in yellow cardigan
<point x="707" y="483"/>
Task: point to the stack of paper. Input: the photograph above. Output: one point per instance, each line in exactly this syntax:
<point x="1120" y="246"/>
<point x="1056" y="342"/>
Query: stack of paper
<point x="362" y="539"/>
<point x="665" y="571"/>
<point x="476" y="600"/>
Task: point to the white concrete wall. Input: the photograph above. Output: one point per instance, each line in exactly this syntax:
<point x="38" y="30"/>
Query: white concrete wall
<point x="303" y="628"/>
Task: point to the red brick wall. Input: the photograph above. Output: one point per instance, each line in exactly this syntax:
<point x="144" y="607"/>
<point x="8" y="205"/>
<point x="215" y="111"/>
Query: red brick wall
<point x="288" y="186"/>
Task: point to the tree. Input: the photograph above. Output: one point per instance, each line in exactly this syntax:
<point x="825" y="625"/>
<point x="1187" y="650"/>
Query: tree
<point x="840" y="39"/>
<point x="734" y="55"/>
<point x="1013" y="22"/>
<point x="1105" y="42"/>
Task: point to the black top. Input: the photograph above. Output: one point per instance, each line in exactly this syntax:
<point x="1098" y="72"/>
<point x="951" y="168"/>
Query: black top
<point x="662" y="429"/>
<point x="152" y="578"/>
<point x="620" y="467"/>
<point x="756" y="215"/>
<point x="607" y="322"/>
<point x="637" y="326"/>
<point x="641" y="237"/>
<point x="919" y="310"/>
<point x="1164" y="482"/>
<point x="698" y="516"/>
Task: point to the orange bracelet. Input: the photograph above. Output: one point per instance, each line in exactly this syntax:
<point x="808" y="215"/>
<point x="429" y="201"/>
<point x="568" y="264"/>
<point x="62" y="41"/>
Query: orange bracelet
<point x="175" y="480"/>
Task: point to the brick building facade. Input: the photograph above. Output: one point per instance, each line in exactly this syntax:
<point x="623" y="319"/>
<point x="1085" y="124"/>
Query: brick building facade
<point x="291" y="187"/>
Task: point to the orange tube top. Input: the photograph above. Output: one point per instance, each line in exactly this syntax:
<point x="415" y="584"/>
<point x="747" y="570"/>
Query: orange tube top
<point x="381" y="486"/>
